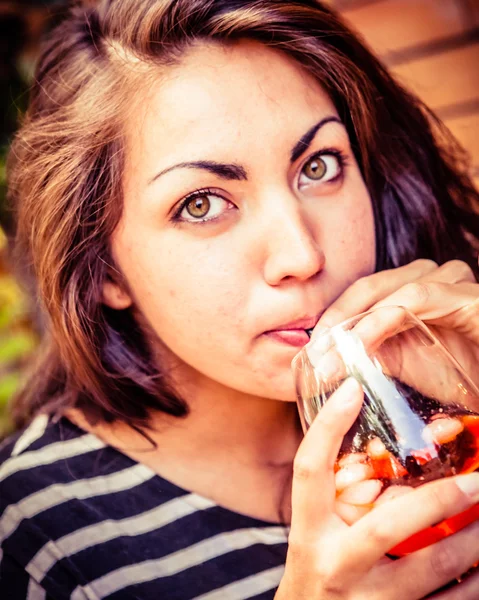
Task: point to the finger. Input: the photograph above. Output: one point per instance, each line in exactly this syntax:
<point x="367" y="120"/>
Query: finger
<point x="393" y="491"/>
<point x="396" y="520"/>
<point x="367" y="291"/>
<point x="376" y="449"/>
<point x="313" y="493"/>
<point x="453" y="271"/>
<point x="432" y="300"/>
<point x="352" y="459"/>
<point x="442" y="430"/>
<point x="377" y="326"/>
<point x="326" y="349"/>
<point x="435" y="566"/>
<point x="466" y="590"/>
<point x="361" y="493"/>
<point x="352" y="474"/>
<point x="350" y="513"/>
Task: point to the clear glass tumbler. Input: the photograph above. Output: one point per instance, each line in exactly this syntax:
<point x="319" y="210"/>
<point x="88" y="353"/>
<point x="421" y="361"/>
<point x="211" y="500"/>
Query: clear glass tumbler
<point x="419" y="420"/>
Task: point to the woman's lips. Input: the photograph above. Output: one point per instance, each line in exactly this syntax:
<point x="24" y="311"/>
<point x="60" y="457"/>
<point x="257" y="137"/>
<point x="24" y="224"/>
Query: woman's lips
<point x="291" y="337"/>
<point x="304" y="323"/>
<point x="295" y="333"/>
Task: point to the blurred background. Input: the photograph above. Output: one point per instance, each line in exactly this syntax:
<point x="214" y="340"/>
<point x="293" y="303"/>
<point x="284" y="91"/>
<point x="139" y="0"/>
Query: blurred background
<point x="431" y="45"/>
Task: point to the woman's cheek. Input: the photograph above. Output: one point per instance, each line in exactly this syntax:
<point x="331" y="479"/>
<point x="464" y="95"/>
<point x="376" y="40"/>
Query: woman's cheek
<point x="194" y="296"/>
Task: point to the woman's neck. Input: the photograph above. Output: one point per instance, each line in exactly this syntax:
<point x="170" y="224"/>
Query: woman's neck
<point x="234" y="448"/>
<point x="256" y="432"/>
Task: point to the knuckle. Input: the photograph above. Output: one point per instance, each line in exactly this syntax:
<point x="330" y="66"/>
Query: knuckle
<point x="379" y="534"/>
<point x="309" y="562"/>
<point x="447" y="496"/>
<point x="334" y="586"/>
<point x="426" y="264"/>
<point x="303" y="469"/>
<point x="418" y="291"/>
<point x="325" y="567"/>
<point x="445" y="563"/>
<point x="443" y="497"/>
<point x="331" y="576"/>
<point x="459" y="270"/>
<point x="297" y="551"/>
<point x="366" y="286"/>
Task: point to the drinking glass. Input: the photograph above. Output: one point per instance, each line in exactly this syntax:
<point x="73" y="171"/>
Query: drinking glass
<point x="419" y="420"/>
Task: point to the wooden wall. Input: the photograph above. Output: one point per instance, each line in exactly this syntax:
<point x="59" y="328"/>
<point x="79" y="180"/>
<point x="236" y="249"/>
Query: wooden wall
<point x="433" y="47"/>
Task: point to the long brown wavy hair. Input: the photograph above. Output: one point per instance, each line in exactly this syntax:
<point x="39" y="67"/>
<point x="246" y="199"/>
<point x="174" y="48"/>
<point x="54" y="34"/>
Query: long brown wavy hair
<point x="65" y="174"/>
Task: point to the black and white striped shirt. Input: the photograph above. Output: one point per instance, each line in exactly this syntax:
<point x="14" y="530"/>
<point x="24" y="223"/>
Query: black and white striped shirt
<point x="81" y="520"/>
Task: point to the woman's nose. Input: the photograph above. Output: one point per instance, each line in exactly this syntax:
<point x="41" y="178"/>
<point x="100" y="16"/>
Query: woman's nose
<point x="293" y="250"/>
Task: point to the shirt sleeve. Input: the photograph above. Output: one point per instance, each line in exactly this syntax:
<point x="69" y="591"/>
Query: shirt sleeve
<point x="16" y="583"/>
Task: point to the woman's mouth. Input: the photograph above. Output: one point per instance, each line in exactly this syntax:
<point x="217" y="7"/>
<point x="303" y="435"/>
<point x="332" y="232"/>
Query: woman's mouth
<point x="296" y="333"/>
<point x="292" y="337"/>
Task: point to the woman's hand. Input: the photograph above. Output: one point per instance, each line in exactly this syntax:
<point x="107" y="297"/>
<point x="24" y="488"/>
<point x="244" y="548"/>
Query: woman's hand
<point x="329" y="560"/>
<point x="445" y="296"/>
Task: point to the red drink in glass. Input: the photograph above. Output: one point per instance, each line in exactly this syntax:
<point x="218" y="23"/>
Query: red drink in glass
<point x="455" y="456"/>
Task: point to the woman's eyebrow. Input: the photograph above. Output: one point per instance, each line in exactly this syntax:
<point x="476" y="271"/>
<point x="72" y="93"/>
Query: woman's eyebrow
<point x="225" y="171"/>
<point x="233" y="171"/>
<point x="308" y="137"/>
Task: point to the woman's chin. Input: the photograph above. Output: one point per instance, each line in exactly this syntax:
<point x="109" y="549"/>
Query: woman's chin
<point x="282" y="391"/>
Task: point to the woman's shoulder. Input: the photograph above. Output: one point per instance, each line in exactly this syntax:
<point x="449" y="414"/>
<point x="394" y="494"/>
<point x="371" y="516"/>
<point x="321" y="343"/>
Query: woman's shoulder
<point x="46" y="453"/>
<point x="76" y="515"/>
<point x="41" y="433"/>
<point x="30" y="459"/>
<point x="53" y="463"/>
<point x="33" y="470"/>
<point x="57" y="481"/>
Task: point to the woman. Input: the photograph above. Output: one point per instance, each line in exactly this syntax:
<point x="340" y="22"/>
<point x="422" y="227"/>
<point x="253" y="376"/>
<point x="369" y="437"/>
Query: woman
<point x="198" y="183"/>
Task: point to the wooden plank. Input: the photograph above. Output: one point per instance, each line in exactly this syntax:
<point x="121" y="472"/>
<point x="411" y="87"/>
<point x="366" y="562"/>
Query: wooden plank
<point x="471" y="8"/>
<point x="444" y="79"/>
<point x="393" y="25"/>
<point x="466" y="130"/>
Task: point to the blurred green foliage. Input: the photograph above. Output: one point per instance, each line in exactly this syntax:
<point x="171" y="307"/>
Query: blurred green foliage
<point x="17" y="337"/>
<point x="20" y="26"/>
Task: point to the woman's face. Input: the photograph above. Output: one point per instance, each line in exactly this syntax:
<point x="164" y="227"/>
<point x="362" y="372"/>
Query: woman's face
<point x="244" y="212"/>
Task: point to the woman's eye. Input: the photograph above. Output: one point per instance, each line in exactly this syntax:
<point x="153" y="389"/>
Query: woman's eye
<point x="202" y="207"/>
<point x="324" y="168"/>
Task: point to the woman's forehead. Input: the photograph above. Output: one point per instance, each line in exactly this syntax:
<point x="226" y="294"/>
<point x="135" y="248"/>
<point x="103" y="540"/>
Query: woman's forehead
<point x="218" y="98"/>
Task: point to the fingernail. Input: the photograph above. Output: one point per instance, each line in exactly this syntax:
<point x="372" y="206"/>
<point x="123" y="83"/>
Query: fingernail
<point x="316" y="332"/>
<point x="327" y="322"/>
<point x="469" y="484"/>
<point x="331" y="318"/>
